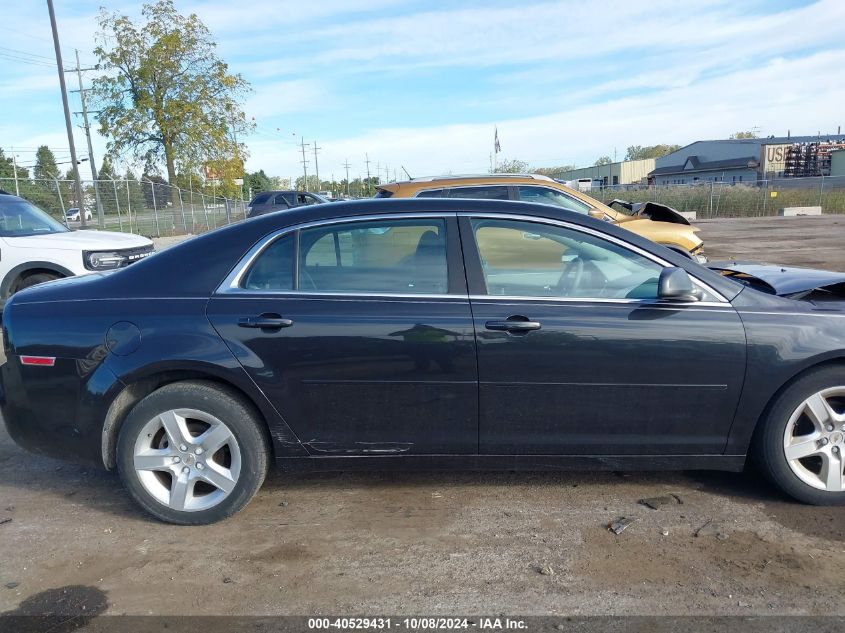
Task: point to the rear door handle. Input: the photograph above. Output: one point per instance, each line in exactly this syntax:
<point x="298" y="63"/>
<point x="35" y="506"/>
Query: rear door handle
<point x="265" y="321"/>
<point x="515" y="323"/>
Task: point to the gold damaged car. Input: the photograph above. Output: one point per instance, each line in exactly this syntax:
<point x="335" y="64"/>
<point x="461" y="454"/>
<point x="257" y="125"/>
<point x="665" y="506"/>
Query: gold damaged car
<point x="655" y="222"/>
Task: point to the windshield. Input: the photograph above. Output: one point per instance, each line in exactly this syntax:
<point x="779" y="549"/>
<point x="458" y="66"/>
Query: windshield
<point x="19" y="218"/>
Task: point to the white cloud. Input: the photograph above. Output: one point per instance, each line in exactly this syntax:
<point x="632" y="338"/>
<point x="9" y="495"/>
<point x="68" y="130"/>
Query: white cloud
<point x="809" y="101"/>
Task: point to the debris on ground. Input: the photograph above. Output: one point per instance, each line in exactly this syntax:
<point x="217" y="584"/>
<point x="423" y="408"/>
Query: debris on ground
<point x="664" y="532"/>
<point x="619" y="525"/>
<point x="6" y="520"/>
<point x="12" y="585"/>
<point x="655" y="503"/>
<point x="283" y="504"/>
<point x="546" y="570"/>
<point x="706" y="523"/>
<point x="227" y="580"/>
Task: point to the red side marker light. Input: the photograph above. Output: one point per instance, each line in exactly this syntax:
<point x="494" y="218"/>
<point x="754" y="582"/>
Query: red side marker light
<point x="44" y="361"/>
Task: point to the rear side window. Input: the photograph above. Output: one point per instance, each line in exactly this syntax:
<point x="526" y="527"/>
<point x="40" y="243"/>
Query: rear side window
<point x="284" y="198"/>
<point x="481" y="193"/>
<point x="273" y="270"/>
<point x="385" y="256"/>
<point x="432" y="193"/>
<point x="383" y="193"/>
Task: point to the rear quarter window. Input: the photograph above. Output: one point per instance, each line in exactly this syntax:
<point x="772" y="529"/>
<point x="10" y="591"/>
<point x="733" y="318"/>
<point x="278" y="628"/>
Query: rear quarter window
<point x="261" y="198"/>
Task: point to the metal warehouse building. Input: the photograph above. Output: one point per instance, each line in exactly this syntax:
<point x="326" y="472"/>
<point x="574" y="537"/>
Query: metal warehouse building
<point x="747" y="160"/>
<point x="627" y="172"/>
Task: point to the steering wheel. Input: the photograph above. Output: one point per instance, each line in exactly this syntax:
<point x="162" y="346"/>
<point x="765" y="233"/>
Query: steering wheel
<point x="571" y="276"/>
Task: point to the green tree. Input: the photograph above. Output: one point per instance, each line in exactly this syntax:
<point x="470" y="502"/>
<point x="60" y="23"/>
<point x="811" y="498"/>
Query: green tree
<point x="131" y="189"/>
<point x="256" y="182"/>
<point x="513" y="166"/>
<point x="7" y="175"/>
<point x="164" y="94"/>
<point x="603" y="160"/>
<point x="639" y="152"/>
<point x="45" y="164"/>
<point x="554" y="172"/>
<point x="739" y="135"/>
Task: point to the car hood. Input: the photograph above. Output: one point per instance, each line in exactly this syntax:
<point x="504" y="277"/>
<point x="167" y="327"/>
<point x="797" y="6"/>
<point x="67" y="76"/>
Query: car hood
<point x="81" y="240"/>
<point x="651" y="211"/>
<point x="784" y="281"/>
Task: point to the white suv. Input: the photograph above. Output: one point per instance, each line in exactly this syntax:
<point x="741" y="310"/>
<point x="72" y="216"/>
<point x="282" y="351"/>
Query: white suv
<point x="35" y="248"/>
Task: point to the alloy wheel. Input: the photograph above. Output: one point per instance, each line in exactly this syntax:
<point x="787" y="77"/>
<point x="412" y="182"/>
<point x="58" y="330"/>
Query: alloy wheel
<point x="187" y="459"/>
<point x="814" y="440"/>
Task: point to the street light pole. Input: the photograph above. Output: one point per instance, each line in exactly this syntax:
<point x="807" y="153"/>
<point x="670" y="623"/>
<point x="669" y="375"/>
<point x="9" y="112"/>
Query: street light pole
<point x="60" y="67"/>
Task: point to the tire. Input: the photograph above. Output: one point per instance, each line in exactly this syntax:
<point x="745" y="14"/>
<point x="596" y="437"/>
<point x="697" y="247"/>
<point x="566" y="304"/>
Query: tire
<point x="34" y="280"/>
<point x="209" y="481"/>
<point x="807" y="478"/>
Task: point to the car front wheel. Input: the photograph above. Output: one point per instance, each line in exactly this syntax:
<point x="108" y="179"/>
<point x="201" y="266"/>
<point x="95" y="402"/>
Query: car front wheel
<point x="192" y="453"/>
<point x="802" y="445"/>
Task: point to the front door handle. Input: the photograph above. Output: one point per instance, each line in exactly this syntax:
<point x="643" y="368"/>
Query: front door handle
<point x="265" y="321"/>
<point x="515" y="323"/>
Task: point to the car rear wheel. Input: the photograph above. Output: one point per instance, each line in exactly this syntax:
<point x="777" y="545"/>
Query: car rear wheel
<point x="802" y="445"/>
<point x="192" y="453"/>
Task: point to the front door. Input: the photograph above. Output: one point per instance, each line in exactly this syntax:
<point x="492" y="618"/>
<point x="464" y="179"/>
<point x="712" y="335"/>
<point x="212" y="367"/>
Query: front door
<point x="577" y="356"/>
<point x="361" y="335"/>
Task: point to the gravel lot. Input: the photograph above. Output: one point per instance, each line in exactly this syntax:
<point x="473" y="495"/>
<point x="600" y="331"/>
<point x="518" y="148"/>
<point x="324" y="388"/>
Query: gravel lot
<point x="445" y="543"/>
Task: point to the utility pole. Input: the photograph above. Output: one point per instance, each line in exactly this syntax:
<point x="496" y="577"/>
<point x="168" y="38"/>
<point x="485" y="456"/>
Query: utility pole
<point x="346" y="165"/>
<point x="316" y="165"/>
<point x="303" y="145"/>
<point x="80" y="199"/>
<point x="15" y="167"/>
<point x="367" y="160"/>
<point x="100" y="218"/>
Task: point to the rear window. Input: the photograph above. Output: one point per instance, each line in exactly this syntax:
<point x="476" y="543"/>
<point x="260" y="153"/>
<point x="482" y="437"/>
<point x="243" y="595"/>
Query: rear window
<point x="383" y="193"/>
<point x="261" y="198"/>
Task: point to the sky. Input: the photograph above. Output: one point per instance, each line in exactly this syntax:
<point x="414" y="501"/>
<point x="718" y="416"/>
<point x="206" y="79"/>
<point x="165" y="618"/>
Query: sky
<point x="423" y="85"/>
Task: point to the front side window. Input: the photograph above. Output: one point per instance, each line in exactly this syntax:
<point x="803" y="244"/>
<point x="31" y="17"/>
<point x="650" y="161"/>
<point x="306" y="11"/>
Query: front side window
<point x="482" y="193"/>
<point x="529" y="259"/>
<point x="285" y="199"/>
<point x="547" y="195"/>
<point x="382" y="256"/>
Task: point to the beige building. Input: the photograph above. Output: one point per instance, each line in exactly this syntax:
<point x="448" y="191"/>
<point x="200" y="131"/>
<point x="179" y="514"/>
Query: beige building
<point x="837" y="163"/>
<point x="629" y="172"/>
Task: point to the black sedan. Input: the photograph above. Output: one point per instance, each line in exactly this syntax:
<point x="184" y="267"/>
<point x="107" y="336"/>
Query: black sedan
<point x="421" y="334"/>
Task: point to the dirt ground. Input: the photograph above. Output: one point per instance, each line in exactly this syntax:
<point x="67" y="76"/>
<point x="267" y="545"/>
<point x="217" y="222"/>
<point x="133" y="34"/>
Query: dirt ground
<point x="441" y="543"/>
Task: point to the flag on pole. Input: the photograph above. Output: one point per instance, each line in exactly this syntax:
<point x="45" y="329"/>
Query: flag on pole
<point x="496" y="145"/>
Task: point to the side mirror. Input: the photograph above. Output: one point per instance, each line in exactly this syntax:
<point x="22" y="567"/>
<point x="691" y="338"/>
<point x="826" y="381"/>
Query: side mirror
<point x="675" y="284"/>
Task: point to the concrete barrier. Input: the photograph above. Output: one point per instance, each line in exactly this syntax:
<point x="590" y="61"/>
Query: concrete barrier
<point x="793" y="211"/>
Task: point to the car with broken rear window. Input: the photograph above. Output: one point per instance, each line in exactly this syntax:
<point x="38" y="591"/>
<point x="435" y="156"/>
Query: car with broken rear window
<point x="431" y="333"/>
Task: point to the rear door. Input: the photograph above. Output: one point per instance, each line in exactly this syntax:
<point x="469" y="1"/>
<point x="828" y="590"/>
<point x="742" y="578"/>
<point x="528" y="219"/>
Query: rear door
<point x="360" y="333"/>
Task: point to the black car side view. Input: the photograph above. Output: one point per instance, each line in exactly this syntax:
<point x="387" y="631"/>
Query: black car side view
<point x="427" y="333"/>
<point x="269" y="201"/>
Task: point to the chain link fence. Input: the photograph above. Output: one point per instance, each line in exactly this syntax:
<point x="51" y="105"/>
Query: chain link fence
<point x="144" y="207"/>
<point x="736" y="199"/>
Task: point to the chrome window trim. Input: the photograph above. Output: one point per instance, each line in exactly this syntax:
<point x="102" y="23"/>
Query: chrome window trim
<point x="232" y="283"/>
<point x="583" y="229"/>
<point x="655" y="303"/>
